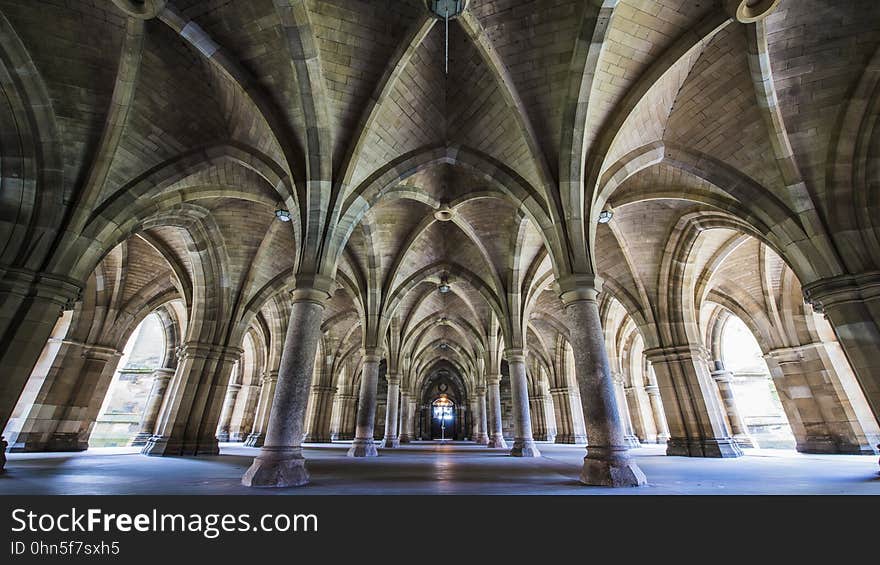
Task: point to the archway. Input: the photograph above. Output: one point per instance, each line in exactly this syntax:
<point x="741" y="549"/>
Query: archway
<point x="443" y="412"/>
<point x="756" y="395"/>
<point x="123" y="407"/>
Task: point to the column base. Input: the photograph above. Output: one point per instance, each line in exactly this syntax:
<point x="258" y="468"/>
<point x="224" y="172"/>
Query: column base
<point x="390" y="443"/>
<point x="829" y="446"/>
<point x="524" y="448"/>
<point x="611" y="468"/>
<point x="571" y="439"/>
<point x="712" y="447"/>
<point x="162" y="445"/>
<point x="277" y="467"/>
<point x="631" y="442"/>
<point x="745" y="441"/>
<point x="33" y="443"/>
<point x="255" y="440"/>
<point x="141" y="439"/>
<point x="497" y="442"/>
<point x="481" y="439"/>
<point x="363" y="448"/>
<point x="404" y="439"/>
<point x="662" y="438"/>
<point x="223" y="437"/>
<point x="236" y="437"/>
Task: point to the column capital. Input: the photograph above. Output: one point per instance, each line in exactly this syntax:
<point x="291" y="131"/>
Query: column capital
<point x="53" y="288"/>
<point x="693" y="351"/>
<point x="493" y="379"/>
<point x="515" y="354"/>
<point x="842" y="289"/>
<point x="794" y="354"/>
<point x="162" y="373"/>
<point x="392" y="378"/>
<point x="372" y="354"/>
<point x="314" y="288"/>
<point x="652" y="390"/>
<point x="199" y="349"/>
<point x="577" y="287"/>
<point x="95" y="351"/>
<point x="324" y="388"/>
<point x="269" y="377"/>
<point x="480" y="390"/>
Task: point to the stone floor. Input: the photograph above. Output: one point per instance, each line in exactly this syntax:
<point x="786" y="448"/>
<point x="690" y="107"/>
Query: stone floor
<point x="435" y="468"/>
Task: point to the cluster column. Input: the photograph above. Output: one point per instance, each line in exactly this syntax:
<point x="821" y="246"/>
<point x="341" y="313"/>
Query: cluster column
<point x="694" y="410"/>
<point x="391" y="439"/>
<point x="405" y="417"/>
<point x="523" y="442"/>
<point x="280" y="462"/>
<point x="363" y="444"/>
<point x="738" y="429"/>
<point x="496" y="432"/>
<point x="653" y="392"/>
<point x="482" y="436"/>
<point x="264" y="408"/>
<point x="232" y="391"/>
<point x="147" y="426"/>
<point x="319" y="426"/>
<point x="607" y="462"/>
<point x="629" y="435"/>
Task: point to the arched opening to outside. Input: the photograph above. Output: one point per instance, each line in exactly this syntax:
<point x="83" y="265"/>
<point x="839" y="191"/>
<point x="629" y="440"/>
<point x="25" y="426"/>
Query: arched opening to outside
<point x="756" y="395"/>
<point x="442" y="417"/>
<point x="126" y="398"/>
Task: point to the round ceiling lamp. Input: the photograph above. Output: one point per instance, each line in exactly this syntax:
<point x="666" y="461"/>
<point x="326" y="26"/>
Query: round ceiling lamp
<point x="605" y="216"/>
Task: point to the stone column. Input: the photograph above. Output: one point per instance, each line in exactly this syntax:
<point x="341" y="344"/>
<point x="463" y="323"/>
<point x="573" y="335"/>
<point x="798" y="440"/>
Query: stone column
<point x="629" y="436"/>
<point x="851" y="303"/>
<point x="549" y="415"/>
<point x="319" y="427"/>
<point x="659" y="415"/>
<point x="738" y="429"/>
<point x="411" y="418"/>
<point x="147" y="427"/>
<point x="496" y="432"/>
<point x="694" y="411"/>
<point x="539" y="425"/>
<point x="346" y="429"/>
<point x="280" y="462"/>
<point x="607" y="462"/>
<point x="566" y="431"/>
<point x="642" y="417"/>
<point x="822" y="400"/>
<point x="363" y="444"/>
<point x="391" y="439"/>
<point x="30" y="305"/>
<point x="226" y="413"/>
<point x="405" y="416"/>
<point x="481" y="437"/>
<point x="257" y="437"/>
<point x="189" y="417"/>
<point x="523" y="442"/>
<point x="243" y="416"/>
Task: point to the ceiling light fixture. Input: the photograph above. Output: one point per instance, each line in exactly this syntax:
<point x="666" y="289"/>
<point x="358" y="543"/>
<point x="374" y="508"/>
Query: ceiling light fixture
<point x="605" y="216"/>
<point x="444" y="287"/>
<point x="281" y="213"/>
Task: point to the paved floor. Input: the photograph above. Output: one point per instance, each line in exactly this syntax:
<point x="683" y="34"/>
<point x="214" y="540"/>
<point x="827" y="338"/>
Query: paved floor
<point x="435" y="468"/>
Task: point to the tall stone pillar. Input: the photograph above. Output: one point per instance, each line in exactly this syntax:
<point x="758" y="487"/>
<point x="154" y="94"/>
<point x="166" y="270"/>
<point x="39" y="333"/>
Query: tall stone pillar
<point x="232" y="391"/>
<point x="280" y="462"/>
<point x="481" y="437"/>
<point x="629" y="436"/>
<point x="147" y="426"/>
<point x="851" y="303"/>
<point x="363" y="444"/>
<point x="523" y="442"/>
<point x="496" y="432"/>
<point x="189" y="417"/>
<point x="257" y="437"/>
<point x="822" y="400"/>
<point x="405" y="416"/>
<point x="319" y="427"/>
<point x="67" y="404"/>
<point x="391" y="439"/>
<point x="694" y="410"/>
<point x="412" y="422"/>
<point x="347" y="422"/>
<point x="549" y="415"/>
<point x="659" y="414"/>
<point x="607" y="462"/>
<point x="30" y="305"/>
<point x="738" y="429"/>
